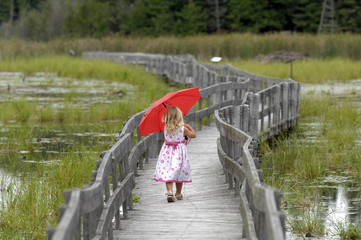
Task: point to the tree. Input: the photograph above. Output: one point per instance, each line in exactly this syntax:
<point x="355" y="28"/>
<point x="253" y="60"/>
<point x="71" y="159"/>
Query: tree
<point x="260" y="16"/>
<point x="217" y="10"/>
<point x="348" y="15"/>
<point x="192" y="19"/>
<point x="307" y="15"/>
<point x="244" y="15"/>
<point x="152" y="17"/>
<point x="88" y="18"/>
<point x="277" y="15"/>
<point x="4" y="10"/>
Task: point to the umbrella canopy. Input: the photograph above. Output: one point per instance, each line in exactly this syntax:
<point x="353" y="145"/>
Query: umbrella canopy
<point x="152" y="118"/>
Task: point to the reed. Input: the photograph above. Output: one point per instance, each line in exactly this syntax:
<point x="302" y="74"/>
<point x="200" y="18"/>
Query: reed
<point x="229" y="46"/>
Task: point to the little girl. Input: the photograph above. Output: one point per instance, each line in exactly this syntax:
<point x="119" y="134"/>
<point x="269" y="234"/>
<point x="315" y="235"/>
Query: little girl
<point x="173" y="163"/>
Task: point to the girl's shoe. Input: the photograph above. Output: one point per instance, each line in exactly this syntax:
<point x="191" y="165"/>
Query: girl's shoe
<point x="179" y="197"/>
<point x="170" y="197"/>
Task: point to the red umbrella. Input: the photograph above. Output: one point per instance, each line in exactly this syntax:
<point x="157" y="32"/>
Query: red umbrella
<point x="152" y="118"/>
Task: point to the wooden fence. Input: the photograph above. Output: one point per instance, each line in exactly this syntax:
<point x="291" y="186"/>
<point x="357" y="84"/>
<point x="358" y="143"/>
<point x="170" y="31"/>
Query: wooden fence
<point x="89" y="213"/>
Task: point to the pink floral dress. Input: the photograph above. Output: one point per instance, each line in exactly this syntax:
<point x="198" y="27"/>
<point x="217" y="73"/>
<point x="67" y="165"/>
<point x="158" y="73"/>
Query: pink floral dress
<point x="173" y="163"/>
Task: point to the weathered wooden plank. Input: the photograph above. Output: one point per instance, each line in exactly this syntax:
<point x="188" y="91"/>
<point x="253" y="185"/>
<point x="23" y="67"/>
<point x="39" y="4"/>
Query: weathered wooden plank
<point x="91" y="197"/>
<point x="122" y="147"/>
<point x="132" y="123"/>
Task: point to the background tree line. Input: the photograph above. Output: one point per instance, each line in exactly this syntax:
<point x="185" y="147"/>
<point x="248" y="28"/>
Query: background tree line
<point x="47" y="19"/>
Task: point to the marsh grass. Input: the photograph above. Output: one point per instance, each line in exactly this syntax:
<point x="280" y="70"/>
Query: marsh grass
<point x="33" y="205"/>
<point x="338" y="134"/>
<point x="297" y="162"/>
<point x="309" y="222"/>
<point x="347" y="231"/>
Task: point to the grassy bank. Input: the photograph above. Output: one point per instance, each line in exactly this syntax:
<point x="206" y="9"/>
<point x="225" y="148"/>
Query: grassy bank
<point x="229" y="46"/>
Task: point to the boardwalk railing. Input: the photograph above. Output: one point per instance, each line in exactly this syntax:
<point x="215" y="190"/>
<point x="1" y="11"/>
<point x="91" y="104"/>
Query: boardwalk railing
<point x="94" y="211"/>
<point x="262" y="115"/>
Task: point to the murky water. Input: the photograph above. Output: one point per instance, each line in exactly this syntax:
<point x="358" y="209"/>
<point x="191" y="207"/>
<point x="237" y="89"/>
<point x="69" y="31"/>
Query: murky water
<point x="351" y="88"/>
<point x="51" y="90"/>
<point x="339" y="203"/>
<point x="8" y="185"/>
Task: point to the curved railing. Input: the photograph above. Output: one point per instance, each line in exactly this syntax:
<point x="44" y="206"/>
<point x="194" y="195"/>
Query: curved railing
<point x="95" y="210"/>
<point x="262" y="115"/>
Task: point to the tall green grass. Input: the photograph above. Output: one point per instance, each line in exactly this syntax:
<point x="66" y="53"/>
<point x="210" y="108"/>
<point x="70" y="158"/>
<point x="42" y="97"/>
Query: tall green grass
<point x="33" y="205"/>
<point x="229" y="46"/>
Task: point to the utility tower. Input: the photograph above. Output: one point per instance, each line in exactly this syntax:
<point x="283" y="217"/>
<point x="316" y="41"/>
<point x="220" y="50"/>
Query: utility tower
<point x="327" y="20"/>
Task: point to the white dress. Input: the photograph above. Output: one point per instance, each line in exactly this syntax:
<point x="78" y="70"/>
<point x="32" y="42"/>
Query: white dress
<point x="173" y="163"/>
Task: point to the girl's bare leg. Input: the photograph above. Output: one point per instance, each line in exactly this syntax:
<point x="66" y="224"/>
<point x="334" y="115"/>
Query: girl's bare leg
<point x="169" y="186"/>
<point x="178" y="188"/>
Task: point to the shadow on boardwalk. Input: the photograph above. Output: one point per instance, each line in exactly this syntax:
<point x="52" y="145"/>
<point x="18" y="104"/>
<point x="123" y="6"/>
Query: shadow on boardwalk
<point x="208" y="211"/>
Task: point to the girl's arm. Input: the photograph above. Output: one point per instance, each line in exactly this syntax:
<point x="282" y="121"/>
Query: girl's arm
<point x="189" y="131"/>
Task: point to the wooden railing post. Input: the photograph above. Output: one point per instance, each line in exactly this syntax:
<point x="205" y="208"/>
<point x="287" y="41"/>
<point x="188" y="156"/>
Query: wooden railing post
<point x="208" y="105"/>
<point x="276" y="109"/>
<point x="254" y="108"/>
<point x="245" y="126"/>
<point x="263" y="103"/>
<point x="285" y="113"/>
<point x="141" y="157"/>
<point x="200" y="108"/>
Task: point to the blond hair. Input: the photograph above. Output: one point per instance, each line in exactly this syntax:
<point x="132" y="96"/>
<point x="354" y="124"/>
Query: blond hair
<point x="173" y="119"/>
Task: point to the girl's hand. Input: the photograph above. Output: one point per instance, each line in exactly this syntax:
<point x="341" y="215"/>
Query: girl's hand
<point x="189" y="131"/>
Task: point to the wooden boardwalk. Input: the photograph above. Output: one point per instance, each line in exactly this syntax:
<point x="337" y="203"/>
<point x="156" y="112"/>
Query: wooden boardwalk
<point x="208" y="211"/>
